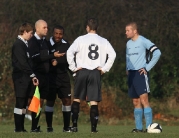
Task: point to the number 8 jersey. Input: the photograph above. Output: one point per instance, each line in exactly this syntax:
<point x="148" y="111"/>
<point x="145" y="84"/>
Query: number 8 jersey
<point x="91" y="51"/>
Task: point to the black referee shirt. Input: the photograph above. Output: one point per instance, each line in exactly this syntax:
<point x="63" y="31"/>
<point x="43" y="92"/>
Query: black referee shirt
<point x="62" y="47"/>
<point x="39" y="51"/>
<point x="21" y="61"/>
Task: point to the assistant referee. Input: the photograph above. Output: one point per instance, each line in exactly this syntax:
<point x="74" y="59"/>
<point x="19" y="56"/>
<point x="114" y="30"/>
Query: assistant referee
<point x="22" y="74"/>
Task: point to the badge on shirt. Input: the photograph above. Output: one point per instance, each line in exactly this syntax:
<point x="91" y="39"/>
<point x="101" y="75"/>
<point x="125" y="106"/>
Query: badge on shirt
<point x="53" y="50"/>
<point x="28" y="54"/>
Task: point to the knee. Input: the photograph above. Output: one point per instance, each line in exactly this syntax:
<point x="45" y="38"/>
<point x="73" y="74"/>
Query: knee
<point x="66" y="101"/>
<point x="144" y="99"/>
<point x="75" y="107"/>
<point x="21" y="103"/>
<point x="137" y="103"/>
<point x="50" y="103"/>
<point x="41" y="102"/>
<point x="93" y="103"/>
<point x="145" y="102"/>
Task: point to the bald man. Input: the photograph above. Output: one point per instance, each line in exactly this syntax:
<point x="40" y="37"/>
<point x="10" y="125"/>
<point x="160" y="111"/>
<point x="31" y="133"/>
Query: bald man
<point x="39" y="53"/>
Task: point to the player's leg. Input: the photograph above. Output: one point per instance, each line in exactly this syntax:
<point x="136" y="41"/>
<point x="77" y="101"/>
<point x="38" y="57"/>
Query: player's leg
<point x="143" y="90"/>
<point x="138" y="110"/>
<point x="75" y="109"/>
<point x="94" y="96"/>
<point x="25" y="107"/>
<point x="138" y="114"/>
<point x="21" y="87"/>
<point x="66" y="109"/>
<point x="64" y="94"/>
<point x="43" y="89"/>
<point x="94" y="115"/>
<point x="50" y="101"/>
<point x="49" y="109"/>
<point x="35" y="120"/>
<point x="147" y="109"/>
<point x="24" y="113"/>
<point x="19" y="114"/>
<point x="79" y="94"/>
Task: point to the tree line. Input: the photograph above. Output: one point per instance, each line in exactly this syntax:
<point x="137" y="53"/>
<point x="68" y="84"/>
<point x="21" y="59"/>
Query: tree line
<point x="157" y="20"/>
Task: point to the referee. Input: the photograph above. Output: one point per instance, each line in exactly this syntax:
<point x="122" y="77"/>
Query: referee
<point x="22" y="74"/>
<point x="39" y="51"/>
<point x="59" y="80"/>
<point x="91" y="51"/>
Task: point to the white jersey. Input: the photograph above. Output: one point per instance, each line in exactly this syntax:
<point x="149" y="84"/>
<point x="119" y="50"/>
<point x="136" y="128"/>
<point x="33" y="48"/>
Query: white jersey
<point x="91" y="51"/>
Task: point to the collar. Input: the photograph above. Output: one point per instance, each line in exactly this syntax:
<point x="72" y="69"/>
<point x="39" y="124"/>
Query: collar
<point x="52" y="42"/>
<point x="92" y="33"/>
<point x="38" y="38"/>
<point x="23" y="40"/>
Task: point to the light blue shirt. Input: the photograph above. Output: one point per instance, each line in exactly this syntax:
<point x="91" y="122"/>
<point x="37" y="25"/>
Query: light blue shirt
<point x="136" y="54"/>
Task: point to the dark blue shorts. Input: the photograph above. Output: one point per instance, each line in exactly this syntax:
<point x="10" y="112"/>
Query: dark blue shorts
<point x="137" y="84"/>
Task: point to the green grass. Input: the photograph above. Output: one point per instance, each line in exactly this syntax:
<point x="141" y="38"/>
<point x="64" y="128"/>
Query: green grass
<point x="105" y="131"/>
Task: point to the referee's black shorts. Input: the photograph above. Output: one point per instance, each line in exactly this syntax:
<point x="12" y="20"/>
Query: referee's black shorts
<point x="88" y="85"/>
<point x="43" y="85"/>
<point x="59" y="85"/>
<point x="22" y="84"/>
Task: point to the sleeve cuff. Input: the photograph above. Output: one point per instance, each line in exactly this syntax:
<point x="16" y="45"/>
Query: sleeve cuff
<point x="104" y="71"/>
<point x="75" y="70"/>
<point x="32" y="75"/>
<point x="146" y="70"/>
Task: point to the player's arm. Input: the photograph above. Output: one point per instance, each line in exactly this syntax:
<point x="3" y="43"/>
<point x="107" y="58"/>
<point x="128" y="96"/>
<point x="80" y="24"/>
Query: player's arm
<point x="38" y="55"/>
<point x="63" y="59"/>
<point x="41" y="55"/>
<point x="156" y="53"/>
<point x="127" y="60"/>
<point x="71" y="56"/>
<point x="111" y="57"/>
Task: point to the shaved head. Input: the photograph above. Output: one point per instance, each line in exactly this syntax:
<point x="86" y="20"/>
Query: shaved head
<point x="39" y="23"/>
<point x="132" y="30"/>
<point x="133" y="25"/>
<point x="41" y="28"/>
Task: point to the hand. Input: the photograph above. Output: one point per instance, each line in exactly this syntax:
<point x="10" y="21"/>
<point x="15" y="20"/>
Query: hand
<point x="127" y="72"/>
<point x="54" y="62"/>
<point x="74" y="73"/>
<point x="100" y="69"/>
<point x="142" y="70"/>
<point x="57" y="54"/>
<point x="35" y="81"/>
<point x="78" y="69"/>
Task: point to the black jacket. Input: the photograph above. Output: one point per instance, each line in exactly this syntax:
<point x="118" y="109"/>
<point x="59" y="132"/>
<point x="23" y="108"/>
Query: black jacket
<point x="62" y="47"/>
<point x="21" y="61"/>
<point x="39" y="51"/>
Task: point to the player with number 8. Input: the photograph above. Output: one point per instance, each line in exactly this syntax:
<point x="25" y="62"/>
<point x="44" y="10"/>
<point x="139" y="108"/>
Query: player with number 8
<point x="91" y="52"/>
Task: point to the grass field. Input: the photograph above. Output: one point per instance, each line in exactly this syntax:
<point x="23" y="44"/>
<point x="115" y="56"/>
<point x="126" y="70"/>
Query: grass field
<point x="105" y="131"/>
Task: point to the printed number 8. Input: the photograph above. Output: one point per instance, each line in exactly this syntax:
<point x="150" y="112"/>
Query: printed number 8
<point x="93" y="54"/>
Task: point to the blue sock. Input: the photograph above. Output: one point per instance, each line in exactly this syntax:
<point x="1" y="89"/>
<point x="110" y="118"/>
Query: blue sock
<point x="138" y="113"/>
<point x="148" y="116"/>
